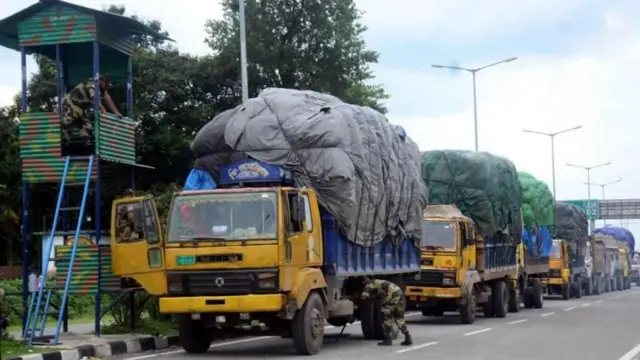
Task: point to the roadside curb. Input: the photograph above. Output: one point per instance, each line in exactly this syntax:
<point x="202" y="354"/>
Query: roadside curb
<point x="112" y="348"/>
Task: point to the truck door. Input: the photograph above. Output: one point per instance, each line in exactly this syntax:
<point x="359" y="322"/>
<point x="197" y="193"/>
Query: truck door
<point x="137" y="246"/>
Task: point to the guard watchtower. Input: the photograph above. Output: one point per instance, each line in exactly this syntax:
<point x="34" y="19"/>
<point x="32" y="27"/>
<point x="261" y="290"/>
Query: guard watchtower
<point x="84" y="44"/>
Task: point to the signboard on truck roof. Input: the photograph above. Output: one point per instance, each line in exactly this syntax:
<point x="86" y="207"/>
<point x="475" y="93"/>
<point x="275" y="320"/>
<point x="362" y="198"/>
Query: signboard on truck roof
<point x="590" y="207"/>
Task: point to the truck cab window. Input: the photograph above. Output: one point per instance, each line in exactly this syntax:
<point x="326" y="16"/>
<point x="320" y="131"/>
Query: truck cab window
<point x="308" y="222"/>
<point x="150" y="226"/>
<point x="130" y="222"/>
<point x="294" y="227"/>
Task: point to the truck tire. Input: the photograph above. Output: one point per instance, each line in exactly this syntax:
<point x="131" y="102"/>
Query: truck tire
<point x="194" y="338"/>
<point x="577" y="290"/>
<point x="514" y="302"/>
<point x="596" y="285"/>
<point x="528" y="299"/>
<point x="500" y="298"/>
<point x="537" y="296"/>
<point x="370" y="316"/>
<point x="308" y="326"/>
<point x="619" y="283"/>
<point x="566" y="291"/>
<point x="468" y="310"/>
<point x="588" y="288"/>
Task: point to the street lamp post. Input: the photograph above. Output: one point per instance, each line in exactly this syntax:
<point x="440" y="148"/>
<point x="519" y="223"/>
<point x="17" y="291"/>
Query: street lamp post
<point x="602" y="186"/>
<point x="243" y="52"/>
<point x="553" y="150"/>
<point x="592" y="223"/>
<point x="473" y="75"/>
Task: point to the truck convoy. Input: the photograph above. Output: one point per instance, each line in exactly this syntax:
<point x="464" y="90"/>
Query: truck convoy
<point x="281" y="220"/>
<point x="472" y="250"/>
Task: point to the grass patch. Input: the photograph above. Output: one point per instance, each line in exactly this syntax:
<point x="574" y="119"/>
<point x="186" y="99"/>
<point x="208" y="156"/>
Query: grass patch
<point x="145" y="326"/>
<point x="14" y="348"/>
<point x="51" y="322"/>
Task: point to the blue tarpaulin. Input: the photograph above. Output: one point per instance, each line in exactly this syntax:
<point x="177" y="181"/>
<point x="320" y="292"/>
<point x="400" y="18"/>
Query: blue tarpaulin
<point x="538" y="242"/>
<point x="199" y="180"/>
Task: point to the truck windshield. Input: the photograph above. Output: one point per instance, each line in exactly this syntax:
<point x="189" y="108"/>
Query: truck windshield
<point x="223" y="216"/>
<point x="438" y="235"/>
<point x="556" y="250"/>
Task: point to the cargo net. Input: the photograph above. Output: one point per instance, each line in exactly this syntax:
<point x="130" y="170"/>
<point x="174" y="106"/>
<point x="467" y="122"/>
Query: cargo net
<point x="366" y="171"/>
<point x="483" y="186"/>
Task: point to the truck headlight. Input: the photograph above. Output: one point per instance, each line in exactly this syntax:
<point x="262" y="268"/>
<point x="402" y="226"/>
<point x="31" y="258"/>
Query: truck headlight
<point x="267" y="280"/>
<point x="447" y="281"/>
<point x="174" y="283"/>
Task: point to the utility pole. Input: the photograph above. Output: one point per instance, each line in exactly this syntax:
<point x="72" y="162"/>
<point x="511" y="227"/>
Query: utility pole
<point x="243" y="53"/>
<point x="602" y="186"/>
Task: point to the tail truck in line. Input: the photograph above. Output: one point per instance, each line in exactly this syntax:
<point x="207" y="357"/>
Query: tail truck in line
<point x="255" y="255"/>
<point x="460" y="268"/>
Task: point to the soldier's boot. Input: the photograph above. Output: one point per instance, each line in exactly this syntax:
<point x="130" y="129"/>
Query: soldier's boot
<point x="386" y="342"/>
<point x="407" y="340"/>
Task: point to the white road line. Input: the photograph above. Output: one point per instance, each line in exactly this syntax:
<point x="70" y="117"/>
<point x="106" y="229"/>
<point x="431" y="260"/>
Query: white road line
<point x="571" y="308"/>
<point x="585" y="305"/>
<point x="547" y="314"/>
<point x="240" y="341"/>
<point x="518" y="321"/>
<point x="631" y="354"/>
<point x="599" y="301"/>
<point x="478" y="331"/>
<point x="612" y="298"/>
<point x="417" y="347"/>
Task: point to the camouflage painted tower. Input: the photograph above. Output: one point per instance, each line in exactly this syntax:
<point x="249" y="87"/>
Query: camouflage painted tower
<point x="85" y="44"/>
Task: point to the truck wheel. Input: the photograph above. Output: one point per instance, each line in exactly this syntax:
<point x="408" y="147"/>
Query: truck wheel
<point x="537" y="296"/>
<point x="514" y="301"/>
<point x="566" y="292"/>
<point x="370" y="320"/>
<point x="194" y="338"/>
<point x="588" y="288"/>
<point x="528" y="299"/>
<point x="500" y="299"/>
<point x="308" y="326"/>
<point x="468" y="310"/>
<point x="577" y="290"/>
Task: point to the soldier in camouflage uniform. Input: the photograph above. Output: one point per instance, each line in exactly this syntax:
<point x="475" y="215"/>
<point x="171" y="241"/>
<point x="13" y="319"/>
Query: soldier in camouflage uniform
<point x="125" y="218"/>
<point x="77" y="107"/>
<point x="392" y="299"/>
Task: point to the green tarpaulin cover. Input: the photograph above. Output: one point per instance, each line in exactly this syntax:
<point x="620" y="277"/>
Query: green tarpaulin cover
<point x="538" y="204"/>
<point x="483" y="186"/>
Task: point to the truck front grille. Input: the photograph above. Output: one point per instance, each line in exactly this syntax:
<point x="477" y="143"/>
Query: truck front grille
<point x="554" y="273"/>
<point x="425" y="278"/>
<point x="218" y="283"/>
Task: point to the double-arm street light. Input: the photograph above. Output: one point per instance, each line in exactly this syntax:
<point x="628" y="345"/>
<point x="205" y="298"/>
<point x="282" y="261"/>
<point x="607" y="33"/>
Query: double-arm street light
<point x="588" y="169"/>
<point x="553" y="150"/>
<point x="473" y="74"/>
<point x="602" y="186"/>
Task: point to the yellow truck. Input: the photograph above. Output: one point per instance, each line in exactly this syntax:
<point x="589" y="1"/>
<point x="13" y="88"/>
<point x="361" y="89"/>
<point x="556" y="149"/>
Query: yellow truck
<point x="558" y="280"/>
<point x="460" y="268"/>
<point x="257" y="256"/>
<point x="625" y="266"/>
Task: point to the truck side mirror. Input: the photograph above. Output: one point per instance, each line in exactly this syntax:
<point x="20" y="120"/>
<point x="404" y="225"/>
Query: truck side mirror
<point x="297" y="209"/>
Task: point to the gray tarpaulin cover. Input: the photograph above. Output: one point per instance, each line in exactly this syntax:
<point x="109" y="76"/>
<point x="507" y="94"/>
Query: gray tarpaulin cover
<point x="365" y="170"/>
<point x="483" y="186"/>
<point x="571" y="225"/>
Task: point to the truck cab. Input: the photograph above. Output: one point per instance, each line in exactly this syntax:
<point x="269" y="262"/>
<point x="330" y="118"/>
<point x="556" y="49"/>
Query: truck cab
<point x="558" y="280"/>
<point x="256" y="255"/>
<point x="454" y="273"/>
<point x="624" y="266"/>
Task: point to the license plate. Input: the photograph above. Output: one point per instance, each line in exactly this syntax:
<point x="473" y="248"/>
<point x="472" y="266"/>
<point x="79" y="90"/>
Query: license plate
<point x="185" y="260"/>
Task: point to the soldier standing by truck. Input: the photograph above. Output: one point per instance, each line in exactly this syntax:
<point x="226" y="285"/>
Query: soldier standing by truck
<point x="392" y="299"/>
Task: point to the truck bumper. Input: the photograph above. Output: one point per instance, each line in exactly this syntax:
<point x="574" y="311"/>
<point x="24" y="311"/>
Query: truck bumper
<point x="222" y="304"/>
<point x="418" y="293"/>
<point x="552" y="281"/>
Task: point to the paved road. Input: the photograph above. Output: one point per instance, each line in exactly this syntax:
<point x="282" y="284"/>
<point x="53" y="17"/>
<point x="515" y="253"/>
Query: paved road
<point x="592" y="328"/>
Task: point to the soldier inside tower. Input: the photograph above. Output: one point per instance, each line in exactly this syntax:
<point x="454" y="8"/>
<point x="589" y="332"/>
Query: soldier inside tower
<point x="77" y="107"/>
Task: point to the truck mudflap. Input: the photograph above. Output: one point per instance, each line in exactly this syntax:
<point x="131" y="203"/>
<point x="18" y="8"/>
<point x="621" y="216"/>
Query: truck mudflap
<point x="471" y="277"/>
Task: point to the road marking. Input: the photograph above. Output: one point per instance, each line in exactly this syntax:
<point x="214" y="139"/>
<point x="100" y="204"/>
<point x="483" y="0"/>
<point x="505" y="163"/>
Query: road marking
<point x="547" y="314"/>
<point x="631" y="354"/>
<point x="417" y="347"/>
<point x="478" y="331"/>
<point x="599" y="301"/>
<point x="571" y="308"/>
<point x="612" y="298"/>
<point x="240" y="341"/>
<point x="585" y="305"/>
<point x="518" y="321"/>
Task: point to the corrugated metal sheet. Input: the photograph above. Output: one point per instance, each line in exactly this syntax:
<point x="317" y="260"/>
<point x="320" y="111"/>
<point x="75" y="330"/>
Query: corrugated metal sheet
<point x="39" y="135"/>
<point x="117" y="139"/>
<point x="119" y="41"/>
<point x="56" y="25"/>
<point x="84" y="278"/>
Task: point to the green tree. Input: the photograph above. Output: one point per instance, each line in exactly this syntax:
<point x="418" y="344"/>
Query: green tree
<point x="10" y="195"/>
<point x="302" y="44"/>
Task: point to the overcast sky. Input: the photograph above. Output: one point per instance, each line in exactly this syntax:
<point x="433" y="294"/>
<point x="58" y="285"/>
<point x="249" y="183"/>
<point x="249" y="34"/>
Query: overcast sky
<point x="578" y="64"/>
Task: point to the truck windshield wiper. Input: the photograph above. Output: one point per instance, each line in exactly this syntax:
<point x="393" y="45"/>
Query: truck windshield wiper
<point x="194" y="240"/>
<point x="433" y="247"/>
